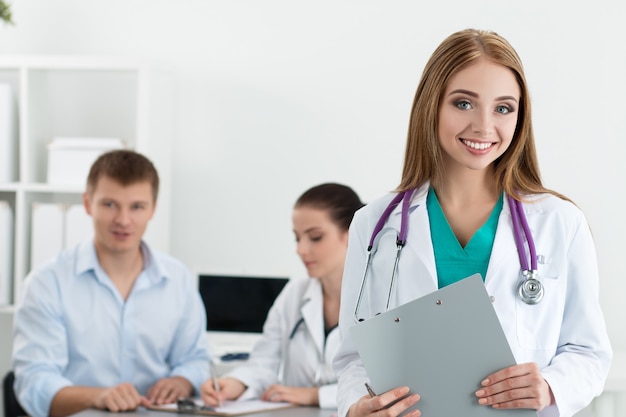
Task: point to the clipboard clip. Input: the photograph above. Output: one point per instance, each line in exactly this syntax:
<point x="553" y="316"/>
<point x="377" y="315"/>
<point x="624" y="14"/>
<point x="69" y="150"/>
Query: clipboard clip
<point x="189" y="406"/>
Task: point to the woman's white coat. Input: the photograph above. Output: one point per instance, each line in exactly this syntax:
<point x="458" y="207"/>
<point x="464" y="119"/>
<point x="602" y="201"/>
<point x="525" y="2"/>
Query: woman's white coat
<point x="564" y="334"/>
<point x="293" y="339"/>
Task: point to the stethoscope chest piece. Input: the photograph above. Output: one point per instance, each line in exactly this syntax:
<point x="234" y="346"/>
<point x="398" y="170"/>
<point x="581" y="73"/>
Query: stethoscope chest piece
<point x="530" y="290"/>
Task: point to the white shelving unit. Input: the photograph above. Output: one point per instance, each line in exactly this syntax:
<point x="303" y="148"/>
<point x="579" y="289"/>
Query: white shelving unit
<point x="83" y="96"/>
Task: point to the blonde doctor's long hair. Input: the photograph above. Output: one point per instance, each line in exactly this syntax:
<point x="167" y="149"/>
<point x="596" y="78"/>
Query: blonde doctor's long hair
<point x="517" y="170"/>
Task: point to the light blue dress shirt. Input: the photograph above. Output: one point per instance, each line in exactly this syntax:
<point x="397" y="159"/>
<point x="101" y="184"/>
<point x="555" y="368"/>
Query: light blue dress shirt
<point x="72" y="327"/>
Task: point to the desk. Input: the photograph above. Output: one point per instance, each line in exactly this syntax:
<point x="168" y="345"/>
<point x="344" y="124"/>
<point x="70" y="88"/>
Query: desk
<point x="142" y="412"/>
<point x="611" y="403"/>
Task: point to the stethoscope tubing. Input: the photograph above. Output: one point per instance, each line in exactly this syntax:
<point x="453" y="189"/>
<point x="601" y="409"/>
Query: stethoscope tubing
<point x="520" y="229"/>
<point x="405" y="197"/>
<point x="518" y="217"/>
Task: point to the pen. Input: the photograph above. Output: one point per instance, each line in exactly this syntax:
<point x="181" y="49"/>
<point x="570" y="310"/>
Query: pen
<point x="216" y="385"/>
<point x="370" y="391"/>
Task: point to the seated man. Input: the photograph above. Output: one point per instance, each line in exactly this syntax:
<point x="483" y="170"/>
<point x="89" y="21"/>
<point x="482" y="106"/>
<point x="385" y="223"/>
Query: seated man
<point x="110" y="324"/>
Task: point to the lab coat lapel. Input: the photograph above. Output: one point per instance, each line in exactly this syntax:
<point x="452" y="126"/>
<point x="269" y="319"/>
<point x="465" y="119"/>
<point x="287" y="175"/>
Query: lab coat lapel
<point x="421" y="263"/>
<point x="504" y="255"/>
<point x="312" y="312"/>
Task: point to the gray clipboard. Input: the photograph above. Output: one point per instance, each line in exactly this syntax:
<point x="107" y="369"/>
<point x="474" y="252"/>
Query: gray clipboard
<point x="441" y="346"/>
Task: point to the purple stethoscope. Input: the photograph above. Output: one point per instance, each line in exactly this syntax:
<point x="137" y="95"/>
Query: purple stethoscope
<point x="530" y="290"/>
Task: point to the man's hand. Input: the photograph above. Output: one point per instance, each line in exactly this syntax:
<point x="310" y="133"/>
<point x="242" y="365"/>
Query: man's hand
<point x="122" y="397"/>
<point x="167" y="390"/>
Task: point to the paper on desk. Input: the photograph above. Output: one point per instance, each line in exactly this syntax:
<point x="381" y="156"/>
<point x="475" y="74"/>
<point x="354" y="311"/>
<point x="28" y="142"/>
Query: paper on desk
<point x="230" y="408"/>
<point x="441" y="346"/>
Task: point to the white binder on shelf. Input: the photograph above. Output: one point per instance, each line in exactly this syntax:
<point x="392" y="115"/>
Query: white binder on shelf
<point x="56" y="227"/>
<point x="47" y="229"/>
<point x="6" y="252"/>
<point x="78" y="225"/>
<point x="70" y="159"/>
<point x="8" y="134"/>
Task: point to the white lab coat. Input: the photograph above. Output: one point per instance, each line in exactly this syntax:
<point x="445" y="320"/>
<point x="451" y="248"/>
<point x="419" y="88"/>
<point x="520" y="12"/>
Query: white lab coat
<point x="564" y="334"/>
<point x="293" y="337"/>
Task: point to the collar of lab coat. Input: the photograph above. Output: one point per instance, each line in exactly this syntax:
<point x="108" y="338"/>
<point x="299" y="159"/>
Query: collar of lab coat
<point x="419" y="243"/>
<point x="417" y="199"/>
<point x="504" y="249"/>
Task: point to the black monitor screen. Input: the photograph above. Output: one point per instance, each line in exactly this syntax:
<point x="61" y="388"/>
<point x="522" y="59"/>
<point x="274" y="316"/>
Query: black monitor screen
<point x="236" y="303"/>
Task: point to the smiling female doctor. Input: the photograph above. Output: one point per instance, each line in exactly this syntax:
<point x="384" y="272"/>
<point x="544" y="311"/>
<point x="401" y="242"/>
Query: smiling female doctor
<point x="471" y="200"/>
<point x="292" y="361"/>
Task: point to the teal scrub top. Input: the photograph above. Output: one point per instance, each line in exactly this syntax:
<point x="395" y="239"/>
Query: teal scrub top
<point x="453" y="262"/>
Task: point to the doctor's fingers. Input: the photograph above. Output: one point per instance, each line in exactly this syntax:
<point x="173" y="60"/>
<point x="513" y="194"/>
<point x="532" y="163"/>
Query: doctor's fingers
<point x="527" y="391"/>
<point x="294" y="395"/>
<point x="536" y="398"/>
<point x="529" y="368"/>
<point x="230" y="389"/>
<point x="208" y="394"/>
<point x="273" y="393"/>
<point x="389" y="404"/>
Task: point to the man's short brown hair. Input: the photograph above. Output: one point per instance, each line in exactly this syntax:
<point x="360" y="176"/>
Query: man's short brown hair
<point x="126" y="167"/>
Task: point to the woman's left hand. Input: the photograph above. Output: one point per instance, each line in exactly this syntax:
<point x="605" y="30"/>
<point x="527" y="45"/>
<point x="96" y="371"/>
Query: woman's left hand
<point x="294" y="395"/>
<point x="518" y="386"/>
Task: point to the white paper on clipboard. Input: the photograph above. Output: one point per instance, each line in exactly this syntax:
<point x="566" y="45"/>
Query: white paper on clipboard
<point x="442" y="346"/>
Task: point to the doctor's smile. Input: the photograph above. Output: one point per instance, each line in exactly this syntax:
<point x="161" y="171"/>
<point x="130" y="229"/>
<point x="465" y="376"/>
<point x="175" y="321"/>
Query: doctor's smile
<point x="479" y="146"/>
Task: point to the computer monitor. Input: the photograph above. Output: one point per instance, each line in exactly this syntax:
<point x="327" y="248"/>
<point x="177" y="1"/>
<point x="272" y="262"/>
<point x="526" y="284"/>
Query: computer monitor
<point x="236" y="308"/>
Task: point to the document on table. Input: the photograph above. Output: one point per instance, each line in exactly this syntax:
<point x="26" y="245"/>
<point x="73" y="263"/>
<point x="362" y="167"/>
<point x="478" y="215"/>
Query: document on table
<point x="230" y="408"/>
<point x="441" y="346"/>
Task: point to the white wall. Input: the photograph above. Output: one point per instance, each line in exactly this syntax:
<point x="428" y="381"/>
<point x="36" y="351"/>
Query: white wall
<point x="278" y="95"/>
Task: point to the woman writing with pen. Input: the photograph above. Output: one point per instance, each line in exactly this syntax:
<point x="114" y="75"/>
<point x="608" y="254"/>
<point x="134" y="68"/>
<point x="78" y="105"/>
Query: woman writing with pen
<point x="292" y="362"/>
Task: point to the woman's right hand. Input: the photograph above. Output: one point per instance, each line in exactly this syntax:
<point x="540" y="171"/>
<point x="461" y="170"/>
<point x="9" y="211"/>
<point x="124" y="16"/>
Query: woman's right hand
<point x="230" y="389"/>
<point x="368" y="405"/>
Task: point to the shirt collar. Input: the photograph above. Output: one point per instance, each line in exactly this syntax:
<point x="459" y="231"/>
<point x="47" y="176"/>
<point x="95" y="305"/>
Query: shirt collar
<point x="87" y="260"/>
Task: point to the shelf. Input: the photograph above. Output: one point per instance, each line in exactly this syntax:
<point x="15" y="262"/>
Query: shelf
<point x="41" y="187"/>
<point x="87" y="97"/>
<point x="82" y="62"/>
<point x="10" y="187"/>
